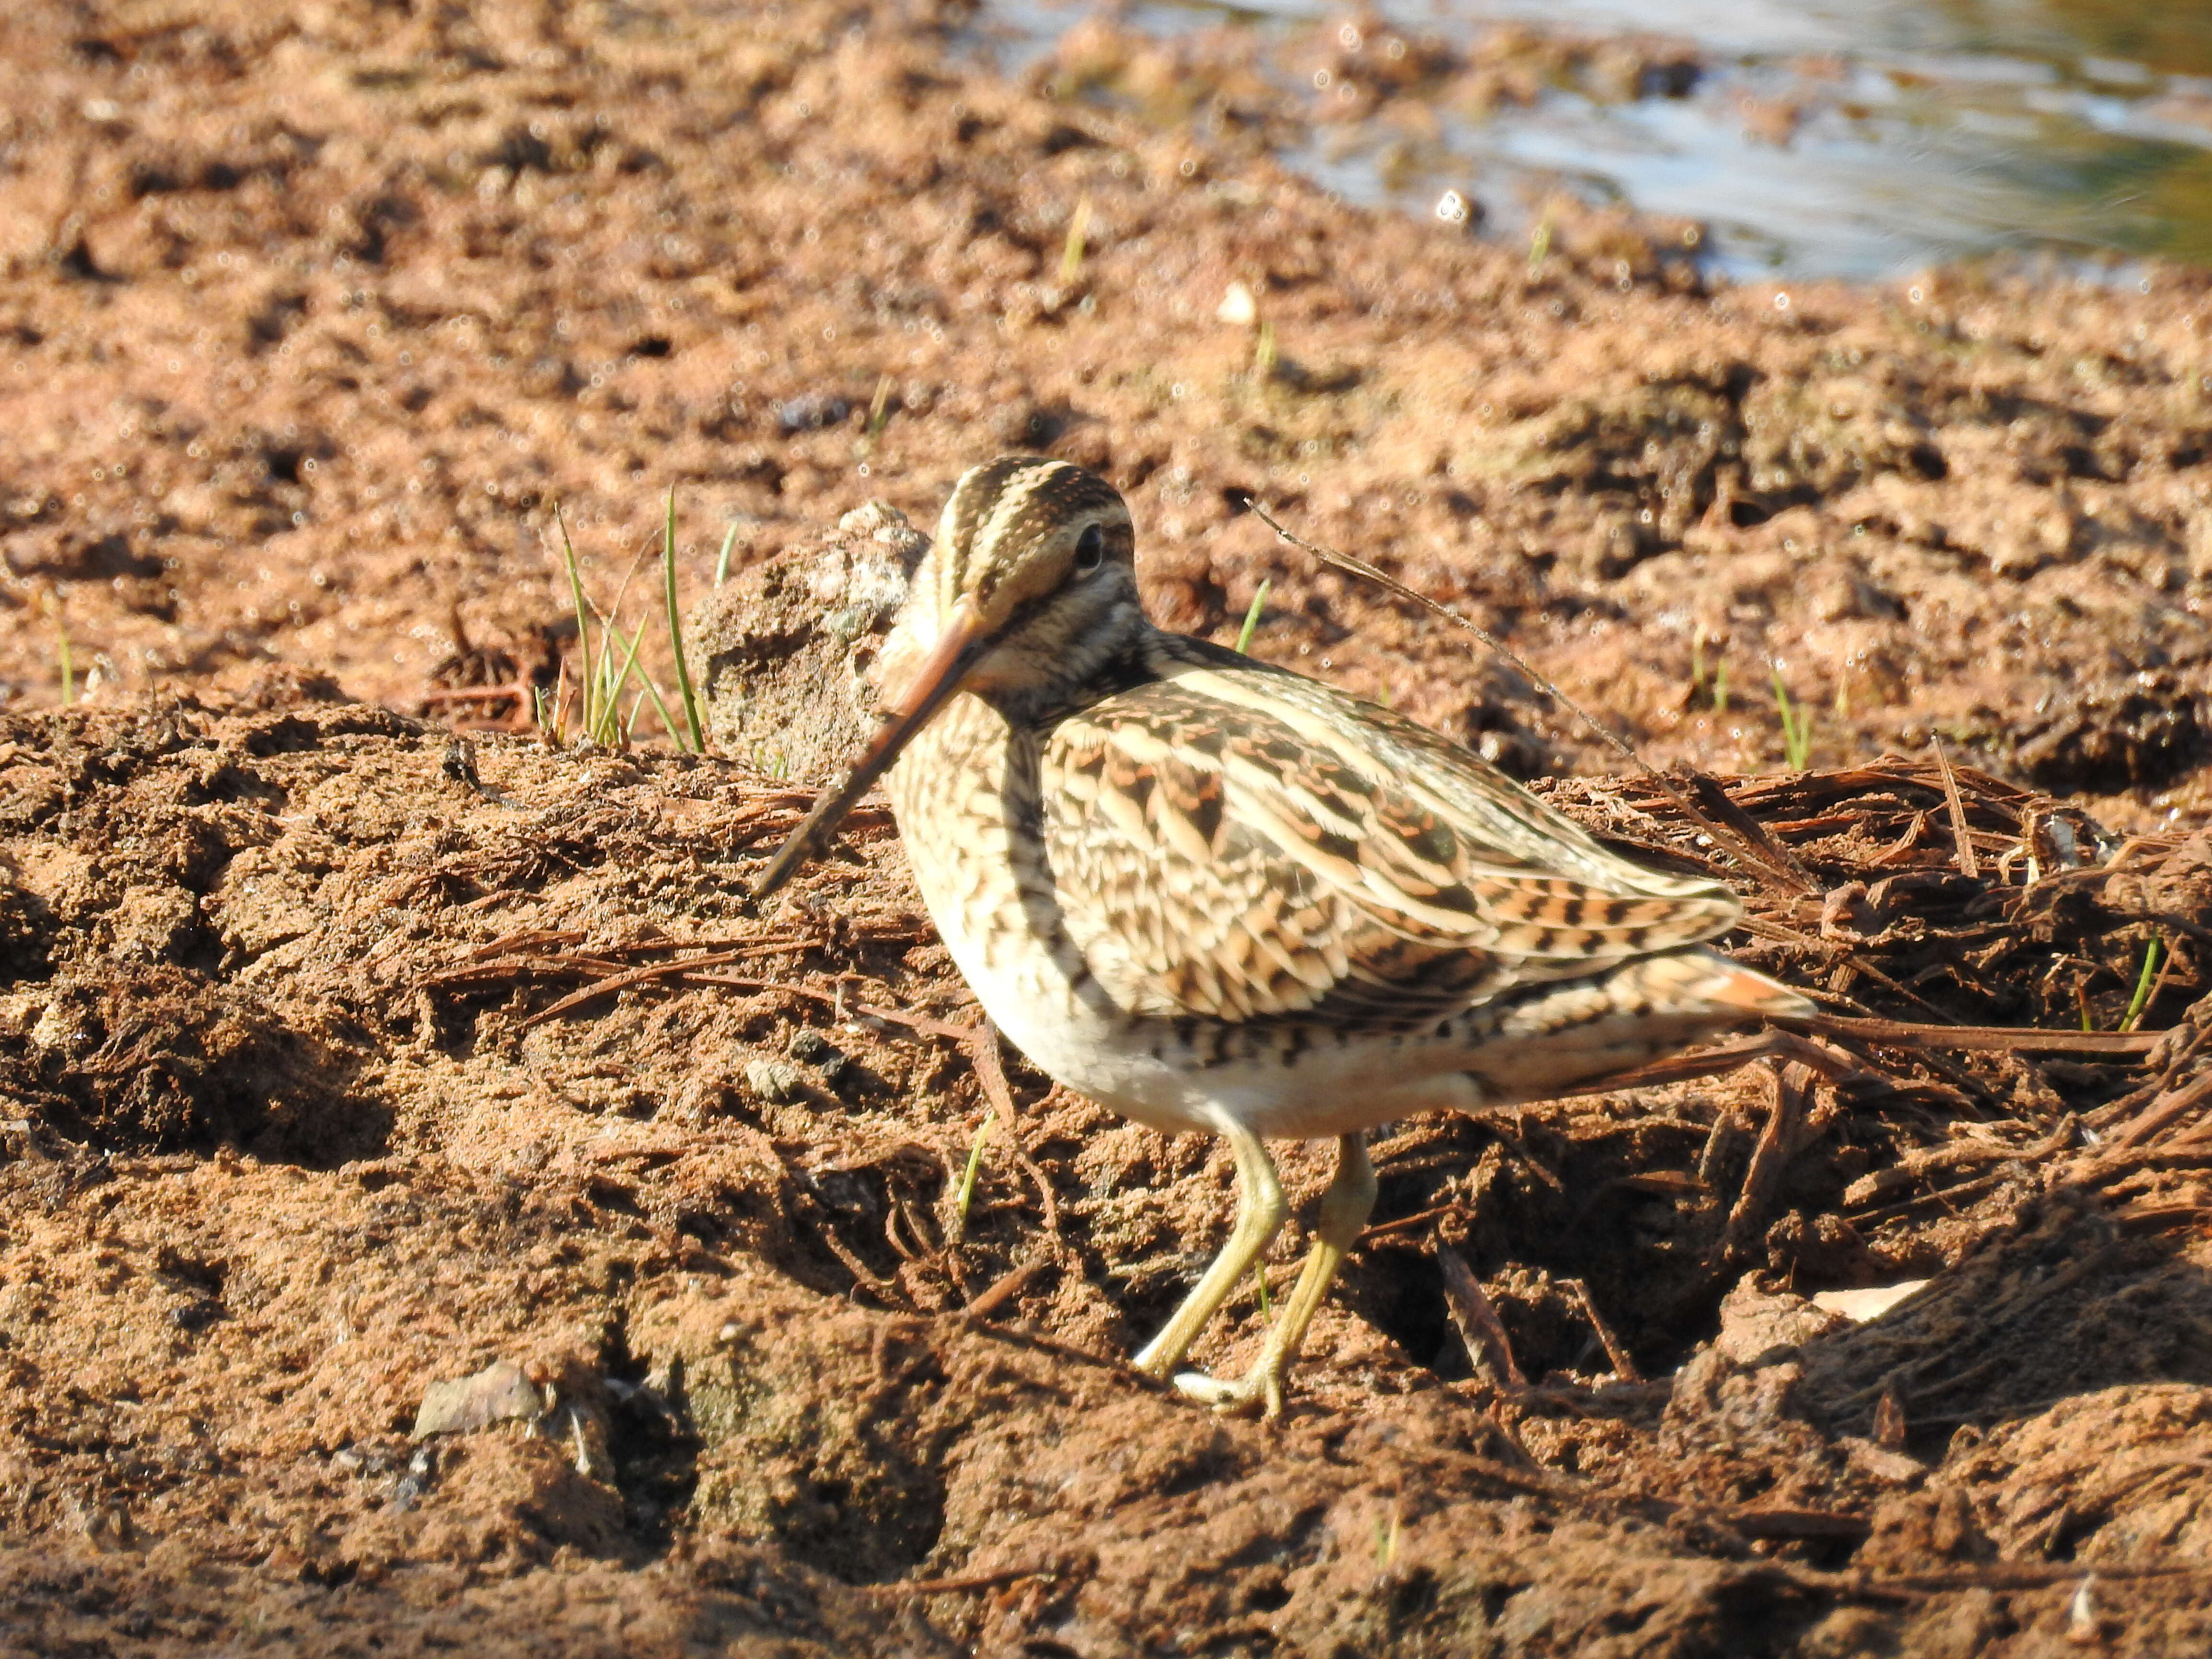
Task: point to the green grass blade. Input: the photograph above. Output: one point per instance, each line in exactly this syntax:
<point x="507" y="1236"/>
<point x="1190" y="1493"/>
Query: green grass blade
<point x="610" y="693"/>
<point x="1252" y="616"/>
<point x="583" y="616"/>
<point x="659" y="706"/>
<point x="1796" y="727"/>
<point x="676" y="634"/>
<point x="722" y="559"/>
<point x="2145" y="981"/>
<point x="966" y="1195"/>
<point x="1540" y="244"/>
<point x="1072" y="250"/>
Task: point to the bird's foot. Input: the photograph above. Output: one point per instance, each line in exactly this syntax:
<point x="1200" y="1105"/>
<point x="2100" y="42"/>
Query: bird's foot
<point x="1259" y="1391"/>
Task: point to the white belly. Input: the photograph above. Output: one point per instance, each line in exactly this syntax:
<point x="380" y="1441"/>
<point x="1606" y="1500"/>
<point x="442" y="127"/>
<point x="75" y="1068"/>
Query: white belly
<point x="1145" y="1070"/>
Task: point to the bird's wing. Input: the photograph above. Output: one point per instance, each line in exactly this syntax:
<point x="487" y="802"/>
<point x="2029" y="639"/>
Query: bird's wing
<point x="1234" y="841"/>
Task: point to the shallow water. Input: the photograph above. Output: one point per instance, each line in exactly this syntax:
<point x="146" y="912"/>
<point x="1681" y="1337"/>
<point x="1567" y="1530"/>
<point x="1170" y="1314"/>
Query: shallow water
<point x="1846" y="138"/>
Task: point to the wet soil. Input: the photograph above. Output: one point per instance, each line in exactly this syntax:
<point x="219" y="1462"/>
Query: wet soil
<point x="344" y="1054"/>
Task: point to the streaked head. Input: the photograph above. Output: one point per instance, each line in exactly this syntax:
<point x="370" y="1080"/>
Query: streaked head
<point x="1033" y="559"/>
<point x="1028" y="587"/>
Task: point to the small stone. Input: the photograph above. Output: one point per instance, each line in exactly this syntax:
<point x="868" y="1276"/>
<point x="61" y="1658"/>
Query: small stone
<point x="774" y="1081"/>
<point x="1455" y="209"/>
<point x="1860" y="1306"/>
<point x="1879" y="1462"/>
<point x="811" y="410"/>
<point x="499" y="1393"/>
<point x="782" y="650"/>
<point x="1758" y="1324"/>
<point x="196" y="1315"/>
<point x="818" y="1051"/>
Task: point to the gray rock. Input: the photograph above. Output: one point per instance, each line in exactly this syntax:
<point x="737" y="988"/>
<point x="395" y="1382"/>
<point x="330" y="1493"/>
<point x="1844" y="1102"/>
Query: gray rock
<point x="500" y="1393"/>
<point x="780" y="653"/>
<point x="774" y="1081"/>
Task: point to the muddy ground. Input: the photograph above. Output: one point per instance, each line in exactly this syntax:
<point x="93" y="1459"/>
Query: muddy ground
<point x="342" y="1056"/>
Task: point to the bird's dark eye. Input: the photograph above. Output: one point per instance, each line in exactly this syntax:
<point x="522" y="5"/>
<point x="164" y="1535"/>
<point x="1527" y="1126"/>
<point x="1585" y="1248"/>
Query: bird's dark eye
<point x="1089" y="548"/>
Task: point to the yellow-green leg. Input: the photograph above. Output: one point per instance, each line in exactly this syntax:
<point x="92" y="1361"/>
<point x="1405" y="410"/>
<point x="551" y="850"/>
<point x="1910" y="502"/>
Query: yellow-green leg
<point x="1260" y="1212"/>
<point x="1344" y="1212"/>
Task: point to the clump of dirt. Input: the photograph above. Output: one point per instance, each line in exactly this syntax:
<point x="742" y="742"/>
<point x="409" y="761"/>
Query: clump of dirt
<point x="344" y="1054"/>
<point x="155" y="1057"/>
<point x="784" y="650"/>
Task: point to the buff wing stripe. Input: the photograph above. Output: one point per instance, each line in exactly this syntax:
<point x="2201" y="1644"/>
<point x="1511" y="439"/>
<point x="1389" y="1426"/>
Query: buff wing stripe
<point x="1229" y="841"/>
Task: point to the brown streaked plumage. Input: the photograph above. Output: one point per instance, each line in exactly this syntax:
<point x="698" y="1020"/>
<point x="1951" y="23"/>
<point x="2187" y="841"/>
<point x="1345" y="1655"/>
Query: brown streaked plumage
<point x="1215" y="895"/>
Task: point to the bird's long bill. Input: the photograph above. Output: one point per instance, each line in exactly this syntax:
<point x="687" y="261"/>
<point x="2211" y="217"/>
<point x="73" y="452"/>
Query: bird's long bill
<point x="957" y="648"/>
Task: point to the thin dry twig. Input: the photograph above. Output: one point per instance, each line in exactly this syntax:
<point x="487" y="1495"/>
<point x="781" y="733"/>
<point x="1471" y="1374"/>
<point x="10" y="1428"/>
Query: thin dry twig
<point x="966" y="1583"/>
<point x="1969" y="866"/>
<point x="2164" y="1110"/>
<point x="2005" y="1039"/>
<point x="622" y="981"/>
<point x="1616" y="1353"/>
<point x="1730" y="1056"/>
<point x="1779" y="1142"/>
<point x="529" y="939"/>
<point x="1006" y="1288"/>
<point x="1488" y="1348"/>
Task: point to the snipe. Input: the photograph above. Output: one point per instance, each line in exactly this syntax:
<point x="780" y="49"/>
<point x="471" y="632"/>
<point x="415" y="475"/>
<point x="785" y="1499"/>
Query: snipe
<point x="1214" y="895"/>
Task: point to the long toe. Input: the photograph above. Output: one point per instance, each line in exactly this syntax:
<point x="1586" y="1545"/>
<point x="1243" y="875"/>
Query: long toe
<point x="1258" y="1392"/>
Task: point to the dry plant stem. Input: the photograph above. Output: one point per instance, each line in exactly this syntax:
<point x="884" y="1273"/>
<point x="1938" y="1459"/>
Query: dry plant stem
<point x="529" y="939"/>
<point x="1943" y="1198"/>
<point x="981" y="1041"/>
<point x="1745" y="850"/>
<point x="1970" y="865"/>
<point x="485" y="966"/>
<point x="1616" y="1353"/>
<point x="623" y="981"/>
<point x="1488" y="1349"/>
<point x="730" y="982"/>
<point x="1959" y="1154"/>
<point x="1984" y="1038"/>
<point x="965" y="1585"/>
<point x="1006" y="1287"/>
<point x="862" y="1273"/>
<point x="1768" y="928"/>
<point x="1778" y="1142"/>
<point x="2165" y="1111"/>
<point x="2179" y="1054"/>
